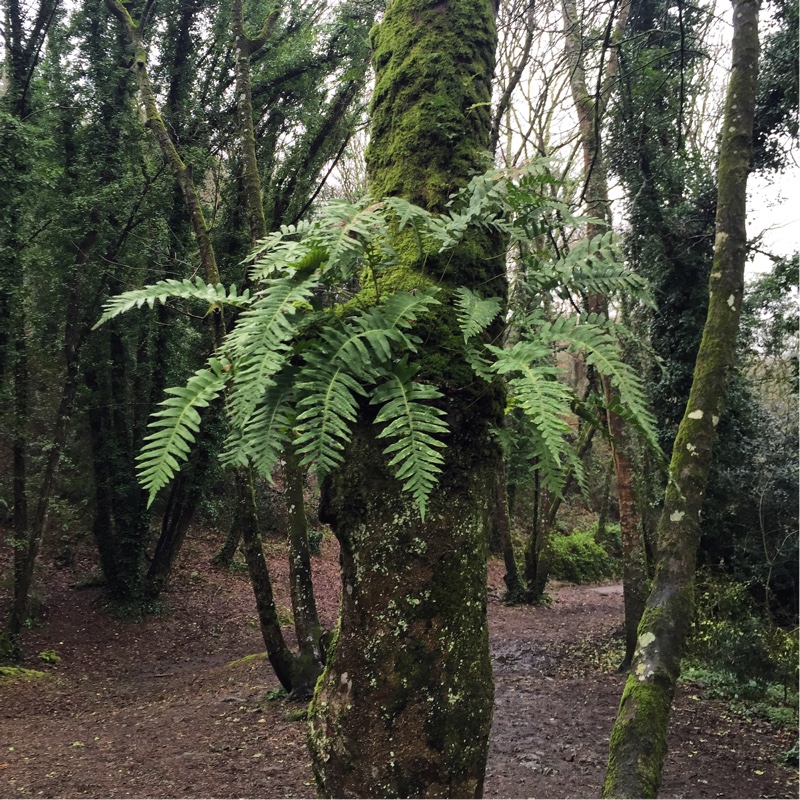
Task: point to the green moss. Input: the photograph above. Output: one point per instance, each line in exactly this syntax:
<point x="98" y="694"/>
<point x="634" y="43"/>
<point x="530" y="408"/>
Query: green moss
<point x="16" y="674"/>
<point x="639" y="740"/>
<point x="252" y="658"/>
<point x="50" y="657"/>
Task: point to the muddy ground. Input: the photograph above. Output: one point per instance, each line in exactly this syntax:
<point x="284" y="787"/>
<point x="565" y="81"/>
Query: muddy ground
<point x="156" y="708"/>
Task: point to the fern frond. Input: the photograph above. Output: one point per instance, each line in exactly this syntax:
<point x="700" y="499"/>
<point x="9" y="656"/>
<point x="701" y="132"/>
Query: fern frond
<point x="326" y="412"/>
<point x="592" y="336"/>
<point x="402" y="309"/>
<point x="175" y="425"/>
<point x="535" y="388"/>
<point x="214" y="294"/>
<point x="260" y="343"/>
<point x="267" y="430"/>
<point x="286" y="256"/>
<point x="414" y="426"/>
<point x="475" y="313"/>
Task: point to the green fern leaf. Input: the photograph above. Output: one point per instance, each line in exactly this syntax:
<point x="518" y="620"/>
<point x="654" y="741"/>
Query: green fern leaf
<point x="170" y="289"/>
<point x="267" y="431"/>
<point x="593" y="336"/>
<point x="260" y="343"/>
<point x="326" y="412"/>
<point x="175" y="425"/>
<point x="414" y="426"/>
<point x="475" y="313"/>
<point x="535" y="388"/>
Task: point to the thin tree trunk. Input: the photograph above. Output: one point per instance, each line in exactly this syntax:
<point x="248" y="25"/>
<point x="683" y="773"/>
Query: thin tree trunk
<point x="174" y="527"/>
<point x="304" y="608"/>
<point x="639" y="737"/>
<point x="278" y="652"/>
<point x="502" y="520"/>
<point x="308" y="665"/>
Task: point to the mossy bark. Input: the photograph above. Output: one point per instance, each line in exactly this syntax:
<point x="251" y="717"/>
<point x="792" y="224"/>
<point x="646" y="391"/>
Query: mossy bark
<point x="404" y="706"/>
<point x="638" y="740"/>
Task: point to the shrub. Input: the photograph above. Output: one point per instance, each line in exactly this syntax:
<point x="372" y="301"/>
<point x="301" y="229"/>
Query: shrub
<point x="578" y="558"/>
<point x="736" y="653"/>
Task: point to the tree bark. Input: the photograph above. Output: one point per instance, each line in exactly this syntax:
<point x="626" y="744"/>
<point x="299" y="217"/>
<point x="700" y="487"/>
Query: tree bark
<point x="639" y="737"/>
<point x="404" y="706"/>
<point x="304" y="607"/>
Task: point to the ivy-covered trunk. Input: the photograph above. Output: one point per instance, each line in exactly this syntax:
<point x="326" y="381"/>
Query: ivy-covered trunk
<point x="404" y="706"/>
<point x="639" y="738"/>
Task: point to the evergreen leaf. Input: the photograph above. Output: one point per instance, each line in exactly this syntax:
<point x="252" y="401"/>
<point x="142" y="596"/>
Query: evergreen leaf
<point x="215" y="295"/>
<point x="175" y="424"/>
<point x="475" y="313"/>
<point x="414" y="427"/>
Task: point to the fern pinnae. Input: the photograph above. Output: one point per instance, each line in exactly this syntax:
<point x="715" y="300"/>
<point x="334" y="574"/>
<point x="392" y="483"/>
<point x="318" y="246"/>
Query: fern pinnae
<point x="215" y="295"/>
<point x="593" y="337"/>
<point x="268" y="429"/>
<point x="475" y="313"/>
<point x="535" y="388"/>
<point x="326" y="414"/>
<point x="175" y="424"/>
<point x="414" y="427"/>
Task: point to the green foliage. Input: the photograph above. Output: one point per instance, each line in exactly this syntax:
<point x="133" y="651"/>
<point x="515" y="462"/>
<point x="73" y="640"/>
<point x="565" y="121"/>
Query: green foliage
<point x="736" y="652"/>
<point x="49" y="657"/>
<point x="175" y="425"/>
<point x="297" y="371"/>
<point x="413" y="425"/>
<point x="215" y="296"/>
<point x="315" y="537"/>
<point x="578" y="558"/>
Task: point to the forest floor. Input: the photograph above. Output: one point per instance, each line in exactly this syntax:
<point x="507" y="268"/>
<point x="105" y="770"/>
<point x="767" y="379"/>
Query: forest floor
<point x="164" y="707"/>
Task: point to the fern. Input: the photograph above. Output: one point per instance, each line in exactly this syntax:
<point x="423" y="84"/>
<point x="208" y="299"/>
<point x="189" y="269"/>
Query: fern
<point x="260" y="343"/>
<point x="536" y="390"/>
<point x="326" y="413"/>
<point x="215" y="295"/>
<point x="475" y="313"/>
<point x="414" y="426"/>
<point x="592" y="335"/>
<point x="267" y="431"/>
<point x="348" y="356"/>
<point x="295" y="373"/>
<point x="175" y="425"/>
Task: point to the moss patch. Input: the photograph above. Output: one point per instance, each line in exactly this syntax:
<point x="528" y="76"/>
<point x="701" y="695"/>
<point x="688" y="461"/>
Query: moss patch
<point x="17" y="674"/>
<point x="247" y="660"/>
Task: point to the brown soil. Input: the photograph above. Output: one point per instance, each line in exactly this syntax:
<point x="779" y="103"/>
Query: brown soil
<point x="155" y="708"/>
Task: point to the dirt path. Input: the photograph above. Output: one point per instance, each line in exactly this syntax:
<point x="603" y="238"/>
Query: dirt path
<point x="156" y="709"/>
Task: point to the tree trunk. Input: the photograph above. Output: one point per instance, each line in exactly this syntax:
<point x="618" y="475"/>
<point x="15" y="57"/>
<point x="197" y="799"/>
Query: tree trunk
<point x="502" y="521"/>
<point x="404" y="706"/>
<point x="639" y="737"/>
<point x="174" y="526"/>
<point x="27" y="550"/>
<point x="304" y="606"/>
<point x="278" y="652"/>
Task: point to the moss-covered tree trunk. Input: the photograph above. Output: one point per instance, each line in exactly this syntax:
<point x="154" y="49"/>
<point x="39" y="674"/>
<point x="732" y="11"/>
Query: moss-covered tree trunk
<point x="639" y="738"/>
<point x="405" y="704"/>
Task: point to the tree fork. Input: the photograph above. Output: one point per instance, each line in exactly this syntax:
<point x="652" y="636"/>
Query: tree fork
<point x="639" y="737"/>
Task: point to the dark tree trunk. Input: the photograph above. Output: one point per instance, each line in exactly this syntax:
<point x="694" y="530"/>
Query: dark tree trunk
<point x="304" y="606"/>
<point x="404" y="707"/>
<point x="639" y="737"/>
